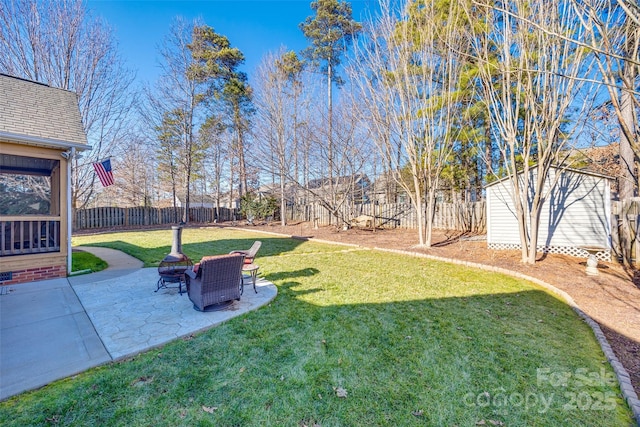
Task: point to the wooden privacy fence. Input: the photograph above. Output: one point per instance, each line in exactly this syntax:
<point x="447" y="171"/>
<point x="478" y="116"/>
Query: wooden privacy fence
<point x="467" y="217"/>
<point x="625" y="227"/>
<point x="131" y="217"/>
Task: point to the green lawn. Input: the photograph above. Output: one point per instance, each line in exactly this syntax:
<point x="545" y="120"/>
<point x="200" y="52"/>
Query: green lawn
<point x="408" y="341"/>
<point x="83" y="261"/>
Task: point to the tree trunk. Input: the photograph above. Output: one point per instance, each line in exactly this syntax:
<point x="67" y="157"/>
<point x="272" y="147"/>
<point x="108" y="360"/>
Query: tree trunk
<point x="231" y="184"/>
<point x="534" y="229"/>
<point x="283" y="202"/>
<point x="488" y="148"/>
<point x="628" y="180"/>
<point x="296" y="166"/>
<point x="187" y="198"/>
<point x="330" y="138"/>
<point x="521" y="213"/>
<point x="431" y="198"/>
<point x="242" y="186"/>
<point x="175" y="201"/>
<point x="418" y="206"/>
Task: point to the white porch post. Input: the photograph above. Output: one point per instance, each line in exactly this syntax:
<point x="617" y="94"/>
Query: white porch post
<point x="69" y="213"/>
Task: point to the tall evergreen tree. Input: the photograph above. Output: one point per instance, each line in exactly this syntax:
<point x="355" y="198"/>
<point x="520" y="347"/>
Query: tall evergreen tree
<point x="331" y="31"/>
<point x="215" y="63"/>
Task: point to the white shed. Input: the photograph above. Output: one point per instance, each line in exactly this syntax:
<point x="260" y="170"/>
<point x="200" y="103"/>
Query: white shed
<point x="575" y="214"/>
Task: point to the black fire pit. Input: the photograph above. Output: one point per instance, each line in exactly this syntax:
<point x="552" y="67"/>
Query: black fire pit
<point x="172" y="268"/>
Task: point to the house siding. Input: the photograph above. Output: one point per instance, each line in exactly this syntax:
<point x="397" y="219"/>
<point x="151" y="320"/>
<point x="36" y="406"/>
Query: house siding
<point x="576" y="213"/>
<point x="502" y="225"/>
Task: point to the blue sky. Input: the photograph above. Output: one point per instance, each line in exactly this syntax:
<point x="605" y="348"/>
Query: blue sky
<point x="254" y="26"/>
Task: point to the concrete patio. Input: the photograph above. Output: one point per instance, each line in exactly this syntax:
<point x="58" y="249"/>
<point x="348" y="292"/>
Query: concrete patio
<point x="57" y="328"/>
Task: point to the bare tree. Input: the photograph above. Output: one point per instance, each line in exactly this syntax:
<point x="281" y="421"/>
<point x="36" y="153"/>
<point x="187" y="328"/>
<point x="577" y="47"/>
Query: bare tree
<point x="350" y="158"/>
<point x="330" y="32"/>
<point x="277" y="97"/>
<point x="135" y="173"/>
<point x="612" y="30"/>
<point x="534" y="90"/>
<point x="57" y="42"/>
<point x="407" y="71"/>
<point x="211" y="133"/>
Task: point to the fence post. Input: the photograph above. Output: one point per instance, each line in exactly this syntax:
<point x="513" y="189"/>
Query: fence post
<point x="616" y="209"/>
<point x="634" y="222"/>
<point x="636" y="240"/>
<point x="627" y="239"/>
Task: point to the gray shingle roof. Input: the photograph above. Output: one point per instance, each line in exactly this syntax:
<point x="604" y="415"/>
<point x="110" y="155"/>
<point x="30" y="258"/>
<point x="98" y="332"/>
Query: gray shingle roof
<point x="39" y="111"/>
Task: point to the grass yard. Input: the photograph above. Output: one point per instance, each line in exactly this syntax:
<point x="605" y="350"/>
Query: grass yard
<point x="81" y="261"/>
<point x="354" y="338"/>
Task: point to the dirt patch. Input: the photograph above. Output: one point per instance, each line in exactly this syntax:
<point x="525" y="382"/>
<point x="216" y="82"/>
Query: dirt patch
<point x="612" y="298"/>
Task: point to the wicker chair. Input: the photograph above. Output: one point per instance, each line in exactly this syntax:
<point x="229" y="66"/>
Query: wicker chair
<point x="250" y="254"/>
<point x="214" y="283"/>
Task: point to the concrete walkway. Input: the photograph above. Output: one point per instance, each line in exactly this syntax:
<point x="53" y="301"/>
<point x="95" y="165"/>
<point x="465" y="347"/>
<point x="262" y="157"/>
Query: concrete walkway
<point x="57" y="328"/>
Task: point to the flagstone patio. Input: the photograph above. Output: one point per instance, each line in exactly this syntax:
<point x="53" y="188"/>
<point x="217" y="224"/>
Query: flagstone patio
<point x="57" y="328"/>
<point x="130" y="317"/>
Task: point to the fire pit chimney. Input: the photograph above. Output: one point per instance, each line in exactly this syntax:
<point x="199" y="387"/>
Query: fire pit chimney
<point x="176" y="246"/>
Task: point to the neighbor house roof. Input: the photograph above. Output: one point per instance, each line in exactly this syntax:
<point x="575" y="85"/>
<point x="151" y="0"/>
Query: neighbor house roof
<point x="37" y="114"/>
<point x="339" y="181"/>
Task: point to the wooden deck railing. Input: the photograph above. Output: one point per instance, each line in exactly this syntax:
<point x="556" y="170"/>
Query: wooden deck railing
<point x="36" y="235"/>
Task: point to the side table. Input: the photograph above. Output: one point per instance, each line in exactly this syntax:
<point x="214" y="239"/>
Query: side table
<point x="252" y="269"/>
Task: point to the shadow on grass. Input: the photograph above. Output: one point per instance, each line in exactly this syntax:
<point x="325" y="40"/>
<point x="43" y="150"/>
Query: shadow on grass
<point x="405" y="354"/>
<point x="287" y="275"/>
<point x="401" y="356"/>
<point x="452" y="361"/>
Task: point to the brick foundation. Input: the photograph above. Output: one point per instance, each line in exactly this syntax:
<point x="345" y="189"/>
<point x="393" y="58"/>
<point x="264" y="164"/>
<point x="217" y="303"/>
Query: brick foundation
<point x="35" y="274"/>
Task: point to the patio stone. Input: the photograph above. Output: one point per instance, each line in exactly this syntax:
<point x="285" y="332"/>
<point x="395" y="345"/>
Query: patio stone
<point x="145" y="318"/>
<point x="57" y="328"/>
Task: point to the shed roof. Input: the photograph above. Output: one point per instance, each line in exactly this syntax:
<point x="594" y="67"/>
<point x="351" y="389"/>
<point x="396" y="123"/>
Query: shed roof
<point x="35" y="113"/>
<point x="533" y="167"/>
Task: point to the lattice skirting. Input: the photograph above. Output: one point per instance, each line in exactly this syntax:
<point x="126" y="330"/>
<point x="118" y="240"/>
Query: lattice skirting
<point x="565" y="250"/>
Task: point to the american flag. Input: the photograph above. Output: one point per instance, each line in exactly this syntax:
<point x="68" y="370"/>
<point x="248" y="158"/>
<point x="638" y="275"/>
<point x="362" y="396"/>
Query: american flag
<point x="103" y="169"/>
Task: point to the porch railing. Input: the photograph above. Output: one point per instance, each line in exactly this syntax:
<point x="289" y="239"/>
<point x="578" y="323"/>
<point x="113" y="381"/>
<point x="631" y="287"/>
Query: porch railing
<point x="20" y="237"/>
